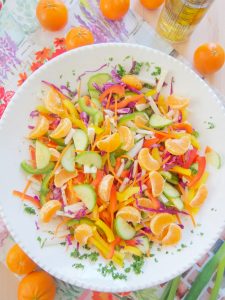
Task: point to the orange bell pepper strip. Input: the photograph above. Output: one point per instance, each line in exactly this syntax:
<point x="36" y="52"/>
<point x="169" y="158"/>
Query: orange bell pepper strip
<point x="185" y="126"/>
<point x="150" y="142"/>
<point x="23" y="196"/>
<point x="115" y="89"/>
<point x="155" y="204"/>
<point x="98" y="178"/>
<point x="126" y="101"/>
<point x="201" y="161"/>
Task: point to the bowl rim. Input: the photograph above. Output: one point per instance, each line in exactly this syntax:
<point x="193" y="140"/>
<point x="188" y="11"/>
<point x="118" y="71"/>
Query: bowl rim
<point x="50" y="270"/>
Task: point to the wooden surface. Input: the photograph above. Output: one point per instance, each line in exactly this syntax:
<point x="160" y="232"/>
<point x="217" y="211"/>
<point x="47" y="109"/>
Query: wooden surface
<point x="211" y="29"/>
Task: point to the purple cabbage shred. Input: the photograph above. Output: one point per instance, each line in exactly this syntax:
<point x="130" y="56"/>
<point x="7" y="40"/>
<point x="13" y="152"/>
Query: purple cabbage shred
<point x="84" y="117"/>
<point x="34" y="113"/>
<point x="55" y="87"/>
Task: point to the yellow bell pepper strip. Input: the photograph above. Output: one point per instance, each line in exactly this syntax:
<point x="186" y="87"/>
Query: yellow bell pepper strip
<point x="201" y="181"/>
<point x="105" y="228"/>
<point x="42" y="109"/>
<point x="133" y="250"/>
<point x="195" y="143"/>
<point x="180" y="170"/>
<point x="156" y="155"/>
<point x="127" y="193"/>
<point x="162" y="104"/>
<point x="125" y="203"/>
<point x="71" y="109"/>
<point x="150" y="93"/>
<point x="95" y="212"/>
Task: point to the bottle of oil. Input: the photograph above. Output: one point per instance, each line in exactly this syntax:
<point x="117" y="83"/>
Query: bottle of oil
<point x="179" y="18"/>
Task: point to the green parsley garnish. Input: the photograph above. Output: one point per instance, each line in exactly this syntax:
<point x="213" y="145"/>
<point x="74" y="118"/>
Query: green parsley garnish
<point x="137" y="264"/>
<point x="211" y="125"/>
<point x="128" y="56"/>
<point x="110" y="58"/>
<point x="78" y="266"/>
<point x="93" y="256"/>
<point x="156" y="72"/>
<point x="137" y="68"/>
<point x="42" y="242"/>
<point x="110" y="270"/>
<point x="121" y="71"/>
<point x="29" y="210"/>
<point x="68" y="84"/>
<point x="195" y="133"/>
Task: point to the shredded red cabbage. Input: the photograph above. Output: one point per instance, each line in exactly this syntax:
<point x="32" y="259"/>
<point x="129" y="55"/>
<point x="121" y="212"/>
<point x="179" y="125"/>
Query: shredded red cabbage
<point x="37" y="198"/>
<point x="180" y="117"/>
<point x="146" y="229"/>
<point x="55" y="87"/>
<point x="81" y="213"/>
<point x="116" y="77"/>
<point x="68" y="239"/>
<point x="55" y="123"/>
<point x="181" y="226"/>
<point x="78" y="246"/>
<point x="91" y="71"/>
<point x="108" y="85"/>
<point x="84" y="117"/>
<point x="130" y="88"/>
<point x="36" y="225"/>
<point x="31" y="127"/>
<point x="171" y="211"/>
<point x="34" y="114"/>
<point x="140" y="185"/>
<point x="97" y="87"/>
<point x="171" y="85"/>
<point x="69" y="91"/>
<point x="56" y="193"/>
<point x="134" y="62"/>
<point x="124" y="110"/>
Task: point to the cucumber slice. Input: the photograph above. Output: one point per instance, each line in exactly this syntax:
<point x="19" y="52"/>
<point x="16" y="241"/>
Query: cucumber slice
<point x="86" y="194"/>
<point x="170" y="192"/>
<point x="98" y="118"/>
<point x="80" y="139"/>
<point x="96" y="102"/>
<point x="178" y="203"/>
<point x="170" y="177"/>
<point x="143" y="244"/>
<point x="130" y="117"/>
<point x="162" y="198"/>
<point x="89" y="158"/>
<point x="214" y="159"/>
<point x="100" y="79"/>
<point x="159" y="122"/>
<point x="68" y="159"/>
<point x="123" y="229"/>
<point x="42" y="155"/>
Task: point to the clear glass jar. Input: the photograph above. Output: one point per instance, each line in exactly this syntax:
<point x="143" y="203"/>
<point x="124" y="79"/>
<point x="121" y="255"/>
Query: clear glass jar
<point x="179" y="18"/>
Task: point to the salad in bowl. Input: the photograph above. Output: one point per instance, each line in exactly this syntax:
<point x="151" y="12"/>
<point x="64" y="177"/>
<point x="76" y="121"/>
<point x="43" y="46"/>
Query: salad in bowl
<point x="115" y="168"/>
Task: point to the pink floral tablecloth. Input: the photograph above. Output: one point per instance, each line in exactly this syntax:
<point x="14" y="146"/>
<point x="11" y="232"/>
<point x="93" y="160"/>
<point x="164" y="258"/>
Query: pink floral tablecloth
<point x="24" y="47"/>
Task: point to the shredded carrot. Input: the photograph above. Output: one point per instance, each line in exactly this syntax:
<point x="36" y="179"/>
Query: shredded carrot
<point x="181" y="189"/>
<point x="192" y="219"/>
<point x="116" y="106"/>
<point x="25" y="197"/>
<point x="60" y="158"/>
<point x="178" y="219"/>
<point x="108" y="100"/>
<point x="111" y="169"/>
<point x="79" y="90"/>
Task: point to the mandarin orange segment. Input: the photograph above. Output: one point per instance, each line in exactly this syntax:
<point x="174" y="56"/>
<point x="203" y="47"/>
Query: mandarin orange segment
<point x="176" y="102"/>
<point x="132" y="81"/>
<point x="171" y="235"/>
<point x="63" y="177"/>
<point x="82" y="233"/>
<point x="53" y="103"/>
<point x="127" y="138"/>
<point x="144" y="202"/>
<point x="49" y="209"/>
<point x="178" y="146"/>
<point x="40" y="129"/>
<point x="199" y="197"/>
<point x="146" y="161"/>
<point x="157" y="183"/>
<point x="62" y="129"/>
<point x="18" y="262"/>
<point x="110" y="143"/>
<point x="140" y="121"/>
<point x="129" y="214"/>
<point x="105" y="186"/>
<point x="160" y="221"/>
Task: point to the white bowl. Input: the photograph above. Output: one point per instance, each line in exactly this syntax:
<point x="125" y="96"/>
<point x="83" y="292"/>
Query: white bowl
<point x="205" y="107"/>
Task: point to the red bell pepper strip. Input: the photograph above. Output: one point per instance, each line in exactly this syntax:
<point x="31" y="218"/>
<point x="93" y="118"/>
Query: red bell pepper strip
<point x="131" y="243"/>
<point x="115" y="89"/>
<point x="201" y="161"/>
<point x="191" y="158"/>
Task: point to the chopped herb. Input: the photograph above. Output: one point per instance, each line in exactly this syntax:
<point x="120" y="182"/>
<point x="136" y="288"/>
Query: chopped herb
<point x="152" y="255"/>
<point x="147" y="64"/>
<point x="201" y="233"/>
<point x="127" y="57"/>
<point x="194" y="168"/>
<point x="192" y="231"/>
<point x="137" y="68"/>
<point x="50" y="232"/>
<point x="137" y="264"/>
<point x="29" y="210"/>
<point x="158" y="249"/>
<point x="156" y="260"/>
<point x="78" y="266"/>
<point x="178" y="250"/>
<point x="42" y="242"/>
<point x="121" y="71"/>
<point x="183" y="246"/>
<point x="127" y="270"/>
<point x="60" y="76"/>
<point x="148" y="86"/>
<point x="68" y="84"/>
<point x="195" y="133"/>
<point x="73" y="72"/>
<point x="63" y="244"/>
<point x="86" y="247"/>
<point x="110" y="270"/>
<point x="211" y="125"/>
<point x="156" y="72"/>
<point x="93" y="256"/>
<point x="110" y="58"/>
<point x="167" y="252"/>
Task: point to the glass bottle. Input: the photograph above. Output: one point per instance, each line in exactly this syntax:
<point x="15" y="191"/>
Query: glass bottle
<point x="179" y="18"/>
